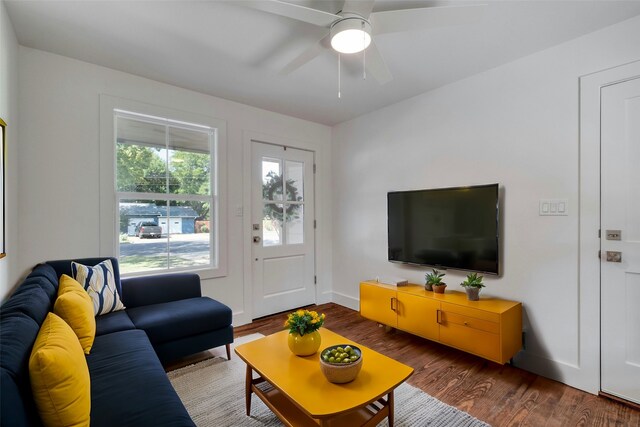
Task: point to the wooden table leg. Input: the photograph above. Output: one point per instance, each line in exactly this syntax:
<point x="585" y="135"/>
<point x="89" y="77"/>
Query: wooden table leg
<point x="390" y="402"/>
<point x="247" y="391"/>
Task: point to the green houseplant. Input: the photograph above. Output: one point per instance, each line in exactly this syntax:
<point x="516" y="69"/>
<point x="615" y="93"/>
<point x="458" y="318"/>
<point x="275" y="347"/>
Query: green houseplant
<point x="304" y="338"/>
<point x="472" y="285"/>
<point x="433" y="282"/>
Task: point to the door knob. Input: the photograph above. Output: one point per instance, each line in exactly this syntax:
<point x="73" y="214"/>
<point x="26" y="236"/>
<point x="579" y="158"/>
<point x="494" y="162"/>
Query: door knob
<point x="256" y="239"/>
<point x="614" y="256"/>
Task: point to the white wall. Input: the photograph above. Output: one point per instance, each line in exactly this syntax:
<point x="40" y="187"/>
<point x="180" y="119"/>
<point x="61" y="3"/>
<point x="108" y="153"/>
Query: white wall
<point x="59" y="161"/>
<point x="517" y="125"/>
<point x="9" y="271"/>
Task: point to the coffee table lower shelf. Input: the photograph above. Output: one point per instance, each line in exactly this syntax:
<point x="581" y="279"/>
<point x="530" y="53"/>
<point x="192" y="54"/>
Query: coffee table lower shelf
<point x="292" y="416"/>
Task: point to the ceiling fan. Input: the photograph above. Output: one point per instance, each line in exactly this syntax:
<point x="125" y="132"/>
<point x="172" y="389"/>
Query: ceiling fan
<point x="353" y="28"/>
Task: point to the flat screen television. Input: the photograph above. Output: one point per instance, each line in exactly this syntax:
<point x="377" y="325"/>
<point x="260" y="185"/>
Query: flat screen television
<point x="453" y="228"/>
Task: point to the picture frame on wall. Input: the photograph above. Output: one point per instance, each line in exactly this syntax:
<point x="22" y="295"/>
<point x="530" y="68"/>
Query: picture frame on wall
<point x="3" y="155"/>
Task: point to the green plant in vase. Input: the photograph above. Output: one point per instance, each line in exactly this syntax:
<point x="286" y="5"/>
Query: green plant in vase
<point x="472" y="285"/>
<point x="433" y="282"/>
<point x="304" y="338"/>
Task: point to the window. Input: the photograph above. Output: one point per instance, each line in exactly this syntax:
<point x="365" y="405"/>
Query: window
<point x="166" y="189"/>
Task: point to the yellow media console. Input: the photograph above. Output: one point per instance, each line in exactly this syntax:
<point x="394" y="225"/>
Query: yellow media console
<point x="490" y="328"/>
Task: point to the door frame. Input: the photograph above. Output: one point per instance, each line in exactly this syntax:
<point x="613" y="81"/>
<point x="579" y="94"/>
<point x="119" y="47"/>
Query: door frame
<point x="322" y="214"/>
<point x="589" y="218"/>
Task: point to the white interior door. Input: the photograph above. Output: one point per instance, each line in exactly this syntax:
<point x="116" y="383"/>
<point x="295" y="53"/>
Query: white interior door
<point x="282" y="228"/>
<point x="620" y="240"/>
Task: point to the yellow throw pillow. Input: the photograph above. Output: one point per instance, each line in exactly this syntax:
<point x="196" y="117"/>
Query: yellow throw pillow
<point x="77" y="310"/>
<point x="68" y="283"/>
<point x="59" y="375"/>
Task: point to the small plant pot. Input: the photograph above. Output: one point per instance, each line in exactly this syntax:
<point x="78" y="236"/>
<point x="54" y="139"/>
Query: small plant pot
<point x="473" y="294"/>
<point x="304" y="345"/>
<point x="428" y="287"/>
<point x="439" y="289"/>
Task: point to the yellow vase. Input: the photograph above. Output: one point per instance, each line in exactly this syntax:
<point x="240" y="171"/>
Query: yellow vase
<point x="304" y="345"/>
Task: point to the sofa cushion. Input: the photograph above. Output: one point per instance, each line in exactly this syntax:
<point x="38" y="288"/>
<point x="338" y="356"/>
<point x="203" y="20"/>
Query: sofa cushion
<point x="178" y="319"/>
<point x="99" y="282"/>
<point x="46" y="271"/>
<point x="49" y="289"/>
<point x="31" y="300"/>
<point x="113" y="322"/>
<point x="47" y="278"/>
<point x="18" y="332"/>
<point x="59" y="375"/>
<point x="129" y="386"/>
<point x="74" y="306"/>
<point x="18" y="409"/>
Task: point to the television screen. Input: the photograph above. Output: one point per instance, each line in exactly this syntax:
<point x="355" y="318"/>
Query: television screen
<point x="447" y="227"/>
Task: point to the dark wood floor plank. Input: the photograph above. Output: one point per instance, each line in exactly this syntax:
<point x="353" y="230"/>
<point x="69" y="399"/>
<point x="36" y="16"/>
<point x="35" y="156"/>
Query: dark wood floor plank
<point x="499" y="395"/>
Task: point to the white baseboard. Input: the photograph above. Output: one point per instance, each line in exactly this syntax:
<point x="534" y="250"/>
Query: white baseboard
<point x="346" y="300"/>
<point x="566" y="373"/>
<point x="241" y="318"/>
<point x="324" y="298"/>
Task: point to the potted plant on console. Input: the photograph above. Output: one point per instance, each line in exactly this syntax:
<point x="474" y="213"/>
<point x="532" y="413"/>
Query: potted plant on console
<point x="434" y="282"/>
<point x="472" y="285"/>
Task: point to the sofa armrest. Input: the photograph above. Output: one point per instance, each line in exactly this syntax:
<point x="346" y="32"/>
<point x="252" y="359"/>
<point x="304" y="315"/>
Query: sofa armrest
<point x="139" y="291"/>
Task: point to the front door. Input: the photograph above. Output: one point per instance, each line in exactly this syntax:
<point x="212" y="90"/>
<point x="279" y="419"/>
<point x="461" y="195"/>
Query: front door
<point x="282" y="228"/>
<point x="620" y="240"/>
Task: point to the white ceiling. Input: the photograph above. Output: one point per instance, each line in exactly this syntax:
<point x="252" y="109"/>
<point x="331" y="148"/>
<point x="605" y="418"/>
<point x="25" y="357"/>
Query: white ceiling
<point x="233" y="52"/>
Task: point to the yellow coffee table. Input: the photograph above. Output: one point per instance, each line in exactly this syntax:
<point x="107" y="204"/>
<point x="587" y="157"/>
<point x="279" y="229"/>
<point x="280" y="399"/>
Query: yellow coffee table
<point x="297" y="392"/>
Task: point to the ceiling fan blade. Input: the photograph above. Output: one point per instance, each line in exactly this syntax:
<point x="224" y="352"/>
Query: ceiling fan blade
<point x="306" y="56"/>
<point x="376" y="65"/>
<point x="393" y="21"/>
<point x="294" y="11"/>
<point x="359" y="7"/>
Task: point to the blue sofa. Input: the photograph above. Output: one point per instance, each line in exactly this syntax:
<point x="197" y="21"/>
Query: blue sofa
<point x="166" y="318"/>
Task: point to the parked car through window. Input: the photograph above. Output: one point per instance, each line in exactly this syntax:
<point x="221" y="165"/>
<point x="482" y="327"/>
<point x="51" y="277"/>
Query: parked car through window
<point x="148" y="229"/>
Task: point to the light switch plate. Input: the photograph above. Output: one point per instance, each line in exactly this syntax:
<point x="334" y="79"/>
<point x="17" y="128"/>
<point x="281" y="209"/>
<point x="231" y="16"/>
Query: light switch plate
<point x="554" y="207"/>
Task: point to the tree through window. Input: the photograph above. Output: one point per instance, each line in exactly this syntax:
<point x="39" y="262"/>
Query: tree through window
<point x="166" y="193"/>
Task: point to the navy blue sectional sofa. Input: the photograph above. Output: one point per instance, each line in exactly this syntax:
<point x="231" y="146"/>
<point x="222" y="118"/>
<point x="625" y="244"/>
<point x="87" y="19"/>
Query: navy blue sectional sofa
<point x="166" y="318"/>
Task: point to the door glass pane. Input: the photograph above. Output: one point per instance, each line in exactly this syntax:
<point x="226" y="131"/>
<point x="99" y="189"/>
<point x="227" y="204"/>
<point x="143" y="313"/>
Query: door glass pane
<point x="189" y="159"/>
<point x="294" y="226"/>
<point x="294" y="171"/>
<point x="189" y="227"/>
<point x="143" y="244"/>
<point x="141" y="158"/>
<point x="271" y="179"/>
<point x="272" y="216"/>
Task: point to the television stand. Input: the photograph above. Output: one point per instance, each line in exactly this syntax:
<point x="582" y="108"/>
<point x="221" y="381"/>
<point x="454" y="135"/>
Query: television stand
<point x="490" y="328"/>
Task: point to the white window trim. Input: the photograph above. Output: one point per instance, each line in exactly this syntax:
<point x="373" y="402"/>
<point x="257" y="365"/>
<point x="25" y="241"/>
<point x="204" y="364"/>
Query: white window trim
<point x="108" y="220"/>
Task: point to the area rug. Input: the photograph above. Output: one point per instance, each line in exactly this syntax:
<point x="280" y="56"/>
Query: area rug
<point x="213" y="393"/>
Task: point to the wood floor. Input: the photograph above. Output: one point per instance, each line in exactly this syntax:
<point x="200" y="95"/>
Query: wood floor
<point x="498" y="395"/>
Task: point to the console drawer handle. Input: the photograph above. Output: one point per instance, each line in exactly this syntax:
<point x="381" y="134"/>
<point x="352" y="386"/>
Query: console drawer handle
<point x="438" y="317"/>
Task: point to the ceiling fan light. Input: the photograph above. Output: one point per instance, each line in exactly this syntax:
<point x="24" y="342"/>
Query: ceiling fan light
<point x="351" y="35"/>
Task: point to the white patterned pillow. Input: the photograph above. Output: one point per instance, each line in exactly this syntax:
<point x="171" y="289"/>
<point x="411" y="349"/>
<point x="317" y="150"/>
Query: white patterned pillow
<point x="100" y="284"/>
